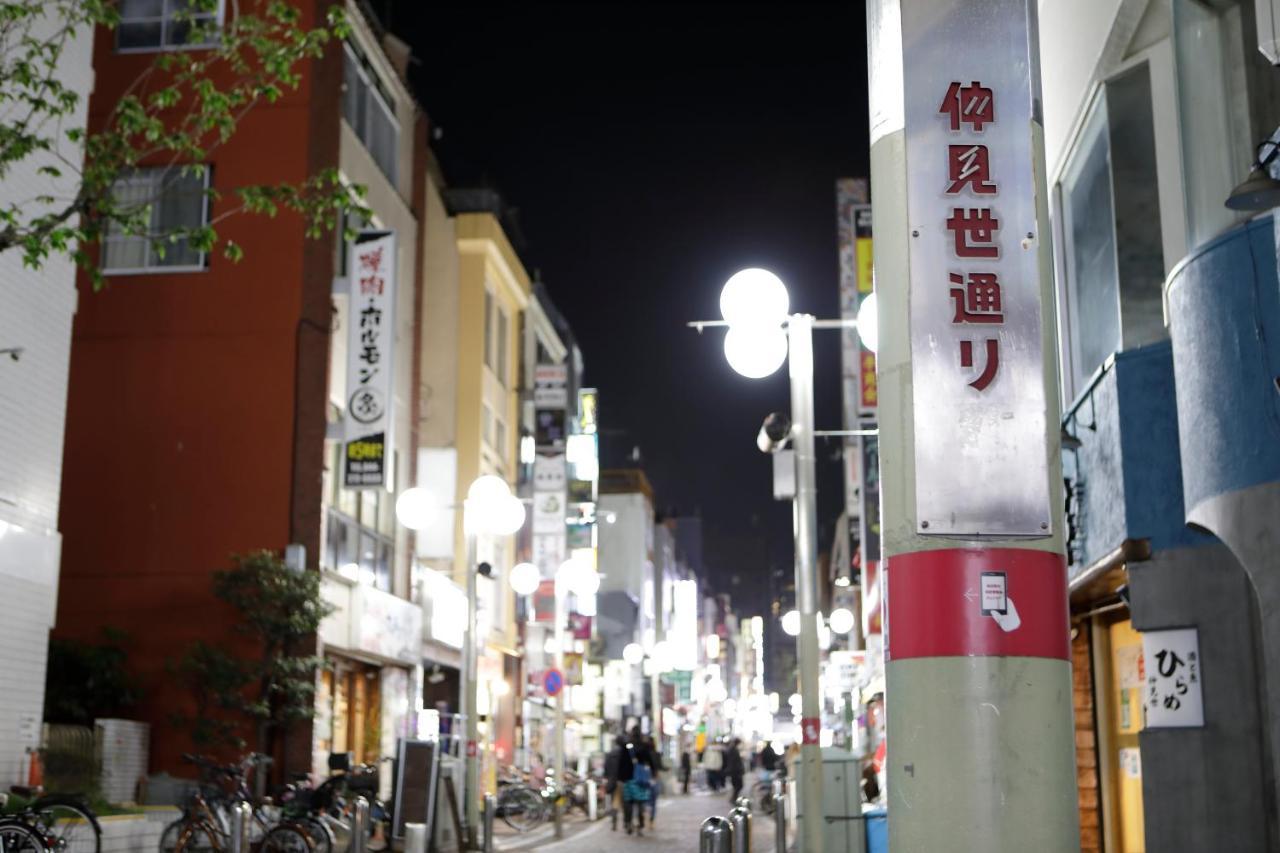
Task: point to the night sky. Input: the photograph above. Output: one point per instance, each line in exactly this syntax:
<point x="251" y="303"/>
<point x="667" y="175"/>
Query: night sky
<point x="652" y="152"/>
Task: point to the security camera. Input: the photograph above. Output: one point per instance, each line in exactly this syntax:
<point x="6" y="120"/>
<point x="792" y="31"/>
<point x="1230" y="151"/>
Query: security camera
<point x="775" y="433"/>
<point x="485" y="570"/>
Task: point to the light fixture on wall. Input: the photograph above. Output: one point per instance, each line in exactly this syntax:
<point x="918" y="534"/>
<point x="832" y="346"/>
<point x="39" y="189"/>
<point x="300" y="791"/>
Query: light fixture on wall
<point x="1259" y="191"/>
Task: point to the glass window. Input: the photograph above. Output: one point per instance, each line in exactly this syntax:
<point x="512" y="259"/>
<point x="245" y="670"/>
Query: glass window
<point x="170" y="198"/>
<point x="486" y="424"/>
<point x="500" y="438"/>
<point x="503" y="328"/>
<point x="1088" y="227"/>
<point x="488" y="329"/>
<point x="167" y="24"/>
<point x="366" y="105"/>
<point x="1216" y="142"/>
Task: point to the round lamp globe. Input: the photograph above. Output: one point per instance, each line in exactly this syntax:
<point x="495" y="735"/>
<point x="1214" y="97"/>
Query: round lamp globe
<point x="415" y="508"/>
<point x="791" y="623"/>
<point x="755" y="351"/>
<point x="754" y="297"/>
<point x="524" y="578"/>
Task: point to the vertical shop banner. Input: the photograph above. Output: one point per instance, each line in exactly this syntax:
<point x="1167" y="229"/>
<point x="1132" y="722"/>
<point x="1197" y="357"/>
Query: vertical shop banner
<point x="550" y="466"/>
<point x="853" y="240"/>
<point x="976" y="338"/>
<point x="1172" y="694"/>
<point x="370" y="354"/>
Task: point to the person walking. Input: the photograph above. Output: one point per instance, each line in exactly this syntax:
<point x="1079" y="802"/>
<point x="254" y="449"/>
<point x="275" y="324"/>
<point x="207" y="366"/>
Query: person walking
<point x="633" y="772"/>
<point x="686" y="769"/>
<point x="654" y="784"/>
<point x="734" y="769"/>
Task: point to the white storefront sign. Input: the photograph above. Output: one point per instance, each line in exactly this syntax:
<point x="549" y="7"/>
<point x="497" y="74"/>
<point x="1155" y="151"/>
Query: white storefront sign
<point x="971" y="85"/>
<point x="370" y="353"/>
<point x="1172" y="696"/>
<point x="548" y="513"/>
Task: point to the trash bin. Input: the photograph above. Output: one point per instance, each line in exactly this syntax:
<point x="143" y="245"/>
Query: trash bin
<point x="877" y="821"/>
<point x="841" y="802"/>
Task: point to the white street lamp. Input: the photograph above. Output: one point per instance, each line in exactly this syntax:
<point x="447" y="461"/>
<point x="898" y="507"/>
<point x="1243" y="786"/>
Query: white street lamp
<point x="633" y="653"/>
<point x="524" y="578"/>
<point x="754" y="297"/>
<point x="791" y="623"/>
<point x="841" y="620"/>
<point x="754" y="351"/>
<point x="868" y="326"/>
<point x="579" y="578"/>
<point x="492" y="510"/>
<point x="416" y="507"/>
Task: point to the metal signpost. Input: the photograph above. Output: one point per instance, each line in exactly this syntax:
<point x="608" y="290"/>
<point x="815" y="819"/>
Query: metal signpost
<point x="981" y="748"/>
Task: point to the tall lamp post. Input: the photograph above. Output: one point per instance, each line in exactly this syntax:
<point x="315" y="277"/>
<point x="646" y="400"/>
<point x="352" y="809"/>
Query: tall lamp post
<point x="755" y="306"/>
<point x="489" y="510"/>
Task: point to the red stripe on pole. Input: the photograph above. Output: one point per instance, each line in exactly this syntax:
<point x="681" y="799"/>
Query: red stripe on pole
<point x="947" y="604"/>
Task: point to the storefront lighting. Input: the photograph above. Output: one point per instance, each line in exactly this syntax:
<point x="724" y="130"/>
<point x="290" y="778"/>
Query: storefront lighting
<point x="499" y="688"/>
<point x="528" y="450"/>
<point x="663" y="656"/>
<point x="713" y="646"/>
<point x="791" y="623"/>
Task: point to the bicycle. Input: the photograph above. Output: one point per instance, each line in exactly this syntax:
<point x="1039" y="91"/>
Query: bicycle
<point x="66" y="823"/>
<point x="519" y="805"/>
<point x="206" y="824"/>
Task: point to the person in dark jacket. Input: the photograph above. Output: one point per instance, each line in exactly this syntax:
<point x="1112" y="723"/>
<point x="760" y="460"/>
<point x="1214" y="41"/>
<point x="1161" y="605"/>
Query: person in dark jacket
<point x="629" y="767"/>
<point x="734" y="769"/>
<point x="686" y="769"/>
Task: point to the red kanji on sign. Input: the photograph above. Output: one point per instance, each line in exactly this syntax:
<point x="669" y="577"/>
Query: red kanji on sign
<point x="974" y="105"/>
<point x="974" y="230"/>
<point x="971" y="165"/>
<point x="989" y="369"/>
<point x="978" y="299"/>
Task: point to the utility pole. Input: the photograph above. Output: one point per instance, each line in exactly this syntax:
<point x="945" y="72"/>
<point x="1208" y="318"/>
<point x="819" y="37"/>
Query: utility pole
<point x="981" y="751"/>
<point x="805" y="512"/>
<point x="470" y="718"/>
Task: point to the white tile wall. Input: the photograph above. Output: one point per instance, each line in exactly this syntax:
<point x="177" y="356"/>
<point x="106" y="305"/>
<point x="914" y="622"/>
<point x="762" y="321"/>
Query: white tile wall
<point x="36" y="307"/>
<point x="125" y="746"/>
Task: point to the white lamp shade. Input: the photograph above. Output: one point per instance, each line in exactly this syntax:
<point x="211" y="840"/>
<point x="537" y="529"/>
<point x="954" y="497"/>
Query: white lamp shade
<point x="755" y="351"/>
<point x="791" y="623"/>
<point x="868" y="325"/>
<point x="524" y="578"/>
<point x="508" y="517"/>
<point x="488" y="488"/>
<point x="754" y="297"/>
<point x="841" y="620"/>
<point x="633" y="653"/>
<point x="415" y="508"/>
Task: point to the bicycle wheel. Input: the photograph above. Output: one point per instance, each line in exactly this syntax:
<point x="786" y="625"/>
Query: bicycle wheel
<point x="321" y="836"/>
<point x="17" y="837"/>
<point x="287" y="838"/>
<point x="198" y="838"/>
<point x="520" y="807"/>
<point x="69" y="825"/>
<point x="169" y="837"/>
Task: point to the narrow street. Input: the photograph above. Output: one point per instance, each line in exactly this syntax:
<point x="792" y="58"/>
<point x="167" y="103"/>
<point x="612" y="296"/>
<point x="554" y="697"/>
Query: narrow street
<point x="675" y="831"/>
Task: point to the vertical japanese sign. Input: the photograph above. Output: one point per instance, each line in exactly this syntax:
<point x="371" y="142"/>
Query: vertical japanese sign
<point x="370" y="352"/>
<point x="1172" y="694"/>
<point x="550" y="467"/>
<point x="976" y="338"/>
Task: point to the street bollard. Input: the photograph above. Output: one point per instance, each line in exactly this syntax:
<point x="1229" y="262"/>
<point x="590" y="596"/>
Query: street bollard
<point x="490" y="811"/>
<point x="241" y="820"/>
<point x="740" y="820"/>
<point x="359" y="826"/>
<point x="715" y="836"/>
<point x="743" y="803"/>
<point x="415" y="838"/>
<point x="780" y="815"/>
<point x="592" y="805"/>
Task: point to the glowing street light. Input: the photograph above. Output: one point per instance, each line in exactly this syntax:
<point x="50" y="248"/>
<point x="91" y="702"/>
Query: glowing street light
<point x="524" y="578"/>
<point x="841" y="620"/>
<point x="633" y="653"/>
<point x="791" y="623"/>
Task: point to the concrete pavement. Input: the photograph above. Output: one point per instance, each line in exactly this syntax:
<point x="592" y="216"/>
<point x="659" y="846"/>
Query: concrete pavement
<point x="675" y="830"/>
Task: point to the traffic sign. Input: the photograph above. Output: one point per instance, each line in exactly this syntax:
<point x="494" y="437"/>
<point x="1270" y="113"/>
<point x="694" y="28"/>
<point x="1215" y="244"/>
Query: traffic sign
<point x="553" y="682"/>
